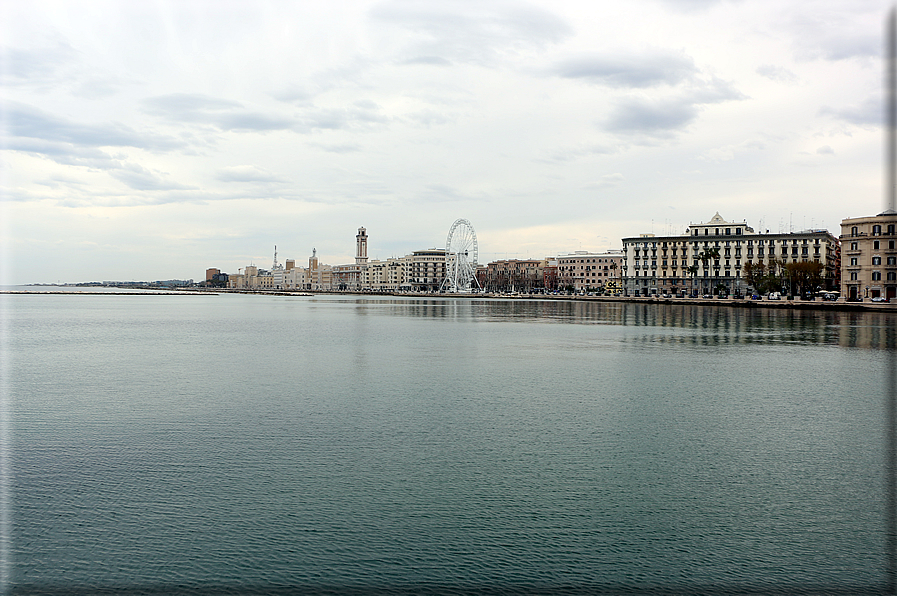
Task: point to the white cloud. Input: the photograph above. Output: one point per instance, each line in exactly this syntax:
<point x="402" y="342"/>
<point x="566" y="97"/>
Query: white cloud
<point x="867" y="113"/>
<point x="481" y="33"/>
<point x="632" y="70"/>
<point x="606" y="181"/>
<point x="777" y="73"/>
<point x="247" y="173"/>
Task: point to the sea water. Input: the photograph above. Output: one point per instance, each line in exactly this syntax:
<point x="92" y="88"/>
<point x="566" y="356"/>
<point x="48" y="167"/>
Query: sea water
<point x="248" y="444"/>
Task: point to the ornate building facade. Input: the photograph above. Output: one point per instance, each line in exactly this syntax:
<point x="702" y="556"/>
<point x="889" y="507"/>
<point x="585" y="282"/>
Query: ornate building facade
<point x="710" y="257"/>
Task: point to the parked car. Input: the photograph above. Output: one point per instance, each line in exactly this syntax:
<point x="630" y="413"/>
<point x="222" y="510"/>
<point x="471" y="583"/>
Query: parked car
<point x="879" y="299"/>
<point x="774" y="296"/>
<point x="756" y="297"/>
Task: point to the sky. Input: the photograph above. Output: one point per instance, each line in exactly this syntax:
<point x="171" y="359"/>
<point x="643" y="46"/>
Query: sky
<point x="154" y="140"/>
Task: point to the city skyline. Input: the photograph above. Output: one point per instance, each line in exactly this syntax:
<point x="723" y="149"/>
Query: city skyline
<point x="151" y="142"/>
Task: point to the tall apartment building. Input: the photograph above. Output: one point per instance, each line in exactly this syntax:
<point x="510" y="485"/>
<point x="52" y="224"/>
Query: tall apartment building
<point x="661" y="264"/>
<point x="869" y="256"/>
<point x="427" y="270"/>
<point x="583" y="270"/>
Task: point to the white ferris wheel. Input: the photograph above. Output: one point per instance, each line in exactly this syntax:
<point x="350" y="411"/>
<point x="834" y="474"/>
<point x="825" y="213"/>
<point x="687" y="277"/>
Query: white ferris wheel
<point x="460" y="258"/>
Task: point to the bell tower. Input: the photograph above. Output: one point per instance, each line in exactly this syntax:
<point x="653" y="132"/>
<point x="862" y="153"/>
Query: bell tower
<point x="361" y="247"/>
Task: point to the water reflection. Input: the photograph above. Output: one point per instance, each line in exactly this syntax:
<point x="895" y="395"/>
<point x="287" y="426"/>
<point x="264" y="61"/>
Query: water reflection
<point x="699" y="325"/>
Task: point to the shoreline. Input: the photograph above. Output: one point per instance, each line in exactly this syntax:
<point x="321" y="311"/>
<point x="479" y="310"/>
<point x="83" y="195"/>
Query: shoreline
<point x="839" y="305"/>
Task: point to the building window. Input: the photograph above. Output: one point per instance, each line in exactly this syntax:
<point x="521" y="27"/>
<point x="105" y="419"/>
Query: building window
<point x="853" y="276"/>
<point x="876" y="230"/>
<point x="875" y="245"/>
<point x="854" y="246"/>
<point x="876" y="260"/>
<point x="876" y="276"/>
<point x="853" y="231"/>
<point x="892" y="275"/>
<point x="891" y="229"/>
<point x="892" y="260"/>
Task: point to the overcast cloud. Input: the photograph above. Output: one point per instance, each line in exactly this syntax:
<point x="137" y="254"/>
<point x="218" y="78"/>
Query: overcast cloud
<point x="154" y="140"/>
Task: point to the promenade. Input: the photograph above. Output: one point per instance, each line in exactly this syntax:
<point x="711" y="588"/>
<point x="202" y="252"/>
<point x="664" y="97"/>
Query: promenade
<point x="815" y="304"/>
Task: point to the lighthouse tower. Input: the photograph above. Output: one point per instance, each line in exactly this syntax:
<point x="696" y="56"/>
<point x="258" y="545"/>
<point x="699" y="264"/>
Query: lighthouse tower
<point x="361" y="247"/>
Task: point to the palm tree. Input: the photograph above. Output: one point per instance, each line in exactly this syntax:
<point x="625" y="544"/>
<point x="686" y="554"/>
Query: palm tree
<point x="613" y="270"/>
<point x="707" y="255"/>
<point x="693" y="270"/>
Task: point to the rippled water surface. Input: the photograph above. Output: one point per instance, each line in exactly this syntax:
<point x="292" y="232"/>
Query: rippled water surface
<point x="241" y="443"/>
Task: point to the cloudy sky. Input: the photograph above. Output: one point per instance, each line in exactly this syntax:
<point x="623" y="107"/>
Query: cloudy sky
<point x="152" y="140"/>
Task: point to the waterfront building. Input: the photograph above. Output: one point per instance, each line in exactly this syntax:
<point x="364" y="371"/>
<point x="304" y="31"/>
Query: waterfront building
<point x="673" y="264"/>
<point x="869" y="256"/>
<point x="219" y="280"/>
<point x="354" y="276"/>
<point x="211" y="273"/>
<point x="245" y="279"/>
<point x="427" y="270"/>
<point x="584" y="271"/>
<point x="277" y="274"/>
<point x="550" y="274"/>
<point x="294" y="277"/>
<point x="318" y="276"/>
<point x="513" y="276"/>
<point x="386" y="276"/>
<point x="346" y="277"/>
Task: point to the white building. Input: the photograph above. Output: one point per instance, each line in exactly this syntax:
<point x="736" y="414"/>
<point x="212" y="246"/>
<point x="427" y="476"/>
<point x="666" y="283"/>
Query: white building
<point x="671" y="264"/>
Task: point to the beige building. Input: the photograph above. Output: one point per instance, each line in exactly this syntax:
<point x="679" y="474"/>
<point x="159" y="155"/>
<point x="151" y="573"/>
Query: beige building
<point x="657" y="265"/>
<point x="245" y="279"/>
<point x="318" y="276"/>
<point x="391" y="275"/>
<point x="585" y="271"/>
<point x="513" y="275"/>
<point x="869" y="257"/>
<point x="427" y="270"/>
